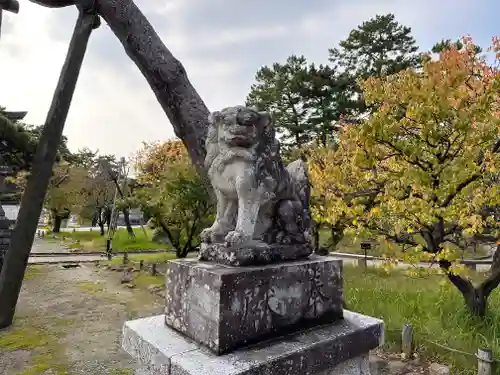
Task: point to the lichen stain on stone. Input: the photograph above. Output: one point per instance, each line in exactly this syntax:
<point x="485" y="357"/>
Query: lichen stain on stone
<point x="236" y="305"/>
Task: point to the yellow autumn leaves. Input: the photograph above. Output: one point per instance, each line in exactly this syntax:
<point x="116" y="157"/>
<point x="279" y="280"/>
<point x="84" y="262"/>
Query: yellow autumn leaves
<point x="427" y="155"/>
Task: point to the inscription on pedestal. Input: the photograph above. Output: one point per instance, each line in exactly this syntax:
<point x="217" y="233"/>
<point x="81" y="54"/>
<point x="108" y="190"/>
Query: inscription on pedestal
<point x="224" y="307"/>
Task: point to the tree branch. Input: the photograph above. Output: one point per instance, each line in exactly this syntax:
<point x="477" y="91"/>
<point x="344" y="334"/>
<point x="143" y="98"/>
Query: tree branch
<point x="463" y="285"/>
<point x="459" y="188"/>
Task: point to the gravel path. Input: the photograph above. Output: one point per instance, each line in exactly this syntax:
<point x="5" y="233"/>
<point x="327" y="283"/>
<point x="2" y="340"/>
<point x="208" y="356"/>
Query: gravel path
<point x="69" y="322"/>
<point x="66" y="259"/>
<point x="46" y="246"/>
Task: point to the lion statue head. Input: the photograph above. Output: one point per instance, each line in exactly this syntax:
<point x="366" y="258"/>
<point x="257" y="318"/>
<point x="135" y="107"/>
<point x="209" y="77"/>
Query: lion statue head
<point x="241" y="131"/>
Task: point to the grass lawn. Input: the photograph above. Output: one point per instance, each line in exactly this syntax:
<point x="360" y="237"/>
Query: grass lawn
<point x="93" y="241"/>
<point x="160" y="257"/>
<point x="434" y="308"/>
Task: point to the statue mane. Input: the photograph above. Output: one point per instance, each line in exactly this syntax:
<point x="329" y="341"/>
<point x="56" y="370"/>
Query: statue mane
<point x="264" y="152"/>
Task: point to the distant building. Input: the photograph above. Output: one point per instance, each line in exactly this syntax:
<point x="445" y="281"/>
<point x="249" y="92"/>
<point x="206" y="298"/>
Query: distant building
<point x="135" y="216"/>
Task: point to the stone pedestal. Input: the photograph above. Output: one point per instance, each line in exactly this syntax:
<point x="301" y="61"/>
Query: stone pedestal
<point x="340" y="348"/>
<point x="278" y="319"/>
<point x="225" y="308"/>
<point x="257" y="253"/>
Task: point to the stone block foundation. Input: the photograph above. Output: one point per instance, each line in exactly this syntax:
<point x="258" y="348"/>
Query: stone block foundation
<point x="337" y="348"/>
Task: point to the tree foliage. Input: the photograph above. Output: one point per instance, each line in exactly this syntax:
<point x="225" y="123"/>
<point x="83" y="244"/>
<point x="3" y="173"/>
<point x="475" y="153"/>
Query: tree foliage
<point x="155" y="157"/>
<point x="65" y="193"/>
<point x="423" y="167"/>
<point x="307" y="100"/>
<point x="17" y="146"/>
<point x="19" y="141"/>
<point x="280" y="90"/>
<point x="446" y="44"/>
<point x="173" y="194"/>
<point x="379" y="46"/>
<point x="304" y="99"/>
<point x="99" y="191"/>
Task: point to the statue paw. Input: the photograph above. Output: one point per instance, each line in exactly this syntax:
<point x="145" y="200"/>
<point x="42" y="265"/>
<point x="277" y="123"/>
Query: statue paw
<point x="235" y="238"/>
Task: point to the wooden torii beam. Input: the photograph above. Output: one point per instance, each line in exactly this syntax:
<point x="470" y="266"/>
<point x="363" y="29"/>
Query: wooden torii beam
<point x="9" y="6"/>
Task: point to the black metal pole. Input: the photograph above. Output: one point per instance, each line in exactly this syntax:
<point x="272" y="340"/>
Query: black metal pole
<point x="16" y="259"/>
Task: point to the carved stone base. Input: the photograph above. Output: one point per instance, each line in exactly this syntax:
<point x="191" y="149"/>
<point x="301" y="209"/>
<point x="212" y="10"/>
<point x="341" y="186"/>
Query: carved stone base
<point x="340" y="348"/>
<point x="225" y="307"/>
<point x="257" y="253"/>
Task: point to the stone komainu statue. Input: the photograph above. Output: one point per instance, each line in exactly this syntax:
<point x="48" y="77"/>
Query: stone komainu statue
<point x="262" y="207"/>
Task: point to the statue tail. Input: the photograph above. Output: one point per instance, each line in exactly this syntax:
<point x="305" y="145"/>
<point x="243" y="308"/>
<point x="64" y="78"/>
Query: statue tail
<point x="299" y="176"/>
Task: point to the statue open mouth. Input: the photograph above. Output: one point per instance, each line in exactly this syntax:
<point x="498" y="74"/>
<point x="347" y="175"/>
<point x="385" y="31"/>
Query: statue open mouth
<point x="241" y="135"/>
<point x="240" y="140"/>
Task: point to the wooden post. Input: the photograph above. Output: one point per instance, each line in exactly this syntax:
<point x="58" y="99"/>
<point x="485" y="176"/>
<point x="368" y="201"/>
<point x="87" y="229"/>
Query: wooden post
<point x="362" y="262"/>
<point x="153" y="269"/>
<point x="484" y="362"/>
<point x="407" y="340"/>
<point x="125" y="258"/>
<point x="141" y="265"/>
<point x="16" y="259"/>
<point x="365" y="246"/>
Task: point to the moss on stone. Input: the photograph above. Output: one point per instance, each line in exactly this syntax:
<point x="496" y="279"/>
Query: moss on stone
<point x="32" y="271"/>
<point x="27" y="339"/>
<point x="43" y="362"/>
<point x="41" y="342"/>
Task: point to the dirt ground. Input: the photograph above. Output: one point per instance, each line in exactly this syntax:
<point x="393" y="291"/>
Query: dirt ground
<point x="69" y="322"/>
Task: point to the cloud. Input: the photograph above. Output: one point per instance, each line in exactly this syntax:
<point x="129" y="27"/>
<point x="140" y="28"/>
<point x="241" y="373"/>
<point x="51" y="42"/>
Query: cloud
<point x="220" y="44"/>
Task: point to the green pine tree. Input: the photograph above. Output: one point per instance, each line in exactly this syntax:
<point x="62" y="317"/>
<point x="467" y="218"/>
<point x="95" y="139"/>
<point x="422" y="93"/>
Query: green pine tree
<point x="379" y="46"/>
<point x="280" y="90"/>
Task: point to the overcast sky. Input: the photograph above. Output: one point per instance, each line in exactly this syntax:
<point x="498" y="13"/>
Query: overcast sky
<point x="222" y="43"/>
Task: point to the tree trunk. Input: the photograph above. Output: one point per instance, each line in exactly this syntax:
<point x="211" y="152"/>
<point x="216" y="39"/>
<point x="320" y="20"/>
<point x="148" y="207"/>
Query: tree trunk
<point x="476" y="298"/>
<point x="495" y="262"/>
<point x="181" y="252"/>
<point x="476" y="301"/>
<point x="100" y="221"/>
<point x="337" y="233"/>
<point x="165" y="74"/>
<point x="319" y="250"/>
<point x="126" y="219"/>
<point x="56" y="224"/>
<point x="315" y="236"/>
<point x="102" y="232"/>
